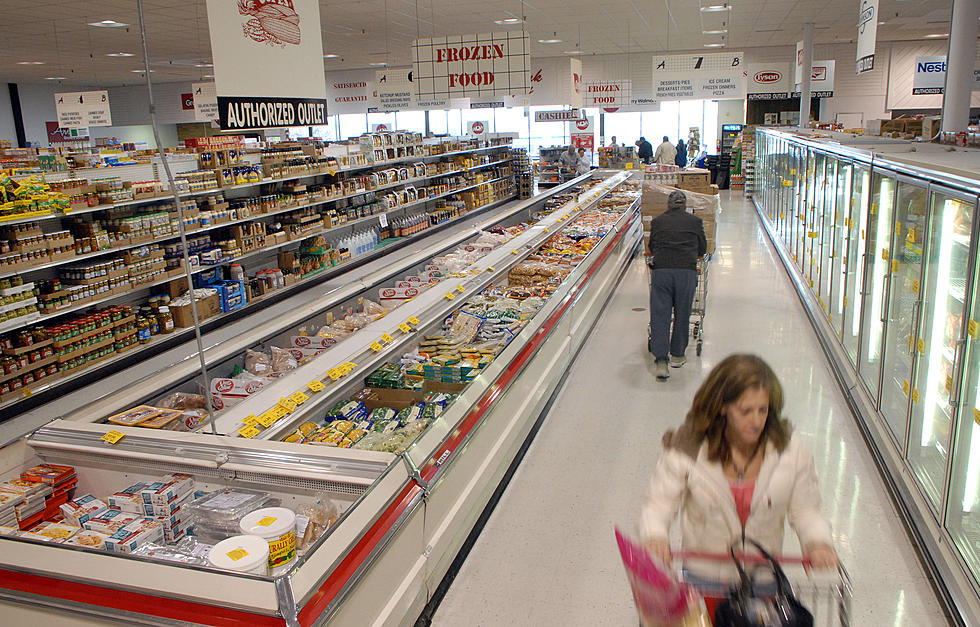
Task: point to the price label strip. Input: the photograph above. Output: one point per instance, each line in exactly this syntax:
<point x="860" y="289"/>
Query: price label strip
<point x="450" y="296"/>
<point x="250" y="420"/>
<point x="404" y="328"/>
<point x="376" y="347"/>
<point x="248" y="432"/>
<point x="316" y="386"/>
<point x="287" y="404"/>
<point x="269" y="418"/>
<point x="298" y="397"/>
<point x="387" y="339"/>
<point x="112" y="437"/>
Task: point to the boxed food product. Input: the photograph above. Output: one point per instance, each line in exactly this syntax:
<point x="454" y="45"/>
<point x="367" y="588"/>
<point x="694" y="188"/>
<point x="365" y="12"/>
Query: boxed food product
<point x="110" y="521"/>
<point x="215" y="515"/>
<point x="50" y="474"/>
<point x="164" y="509"/>
<point x="86" y="538"/>
<point x="167" y="489"/>
<point x="128" y="500"/>
<point x="82" y="509"/>
<point x="55" y="532"/>
<point x="130" y="536"/>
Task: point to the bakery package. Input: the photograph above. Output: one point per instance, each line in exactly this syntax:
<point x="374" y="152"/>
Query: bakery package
<point x="88" y="539"/>
<point x="167" y="489"/>
<point x="132" y="535"/>
<point x="128" y="500"/>
<point x="82" y="509"/>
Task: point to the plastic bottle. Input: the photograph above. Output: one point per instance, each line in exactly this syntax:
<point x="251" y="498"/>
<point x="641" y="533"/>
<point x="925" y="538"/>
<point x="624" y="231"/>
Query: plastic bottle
<point x="237" y="273"/>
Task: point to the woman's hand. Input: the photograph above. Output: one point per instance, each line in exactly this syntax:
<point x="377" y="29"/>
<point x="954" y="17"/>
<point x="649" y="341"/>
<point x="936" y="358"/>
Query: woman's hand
<point x="822" y="556"/>
<point x="660" y="549"/>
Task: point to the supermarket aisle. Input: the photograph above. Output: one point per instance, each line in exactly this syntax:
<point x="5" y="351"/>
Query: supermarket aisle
<point x="547" y="556"/>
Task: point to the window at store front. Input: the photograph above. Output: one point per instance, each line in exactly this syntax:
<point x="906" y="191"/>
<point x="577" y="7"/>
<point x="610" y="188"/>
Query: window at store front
<point x="351" y="125"/>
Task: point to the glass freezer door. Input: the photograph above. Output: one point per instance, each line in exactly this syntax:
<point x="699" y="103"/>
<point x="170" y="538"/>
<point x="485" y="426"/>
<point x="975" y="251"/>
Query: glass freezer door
<point x="901" y="345"/>
<point x="814" y="198"/>
<point x="838" y="256"/>
<point x="940" y="342"/>
<point x="854" y="260"/>
<point x="827" y="225"/>
<point x="877" y="267"/>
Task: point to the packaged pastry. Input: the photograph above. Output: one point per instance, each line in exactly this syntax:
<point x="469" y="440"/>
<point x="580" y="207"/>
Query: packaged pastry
<point x="135" y="416"/>
<point x="24" y="488"/>
<point x="110" y="521"/>
<point x="51" y="474"/>
<point x="55" y="532"/>
<point x="87" y="538"/>
<point x="82" y="509"/>
<point x="167" y="489"/>
<point x="128" y="500"/>
<point x="130" y="536"/>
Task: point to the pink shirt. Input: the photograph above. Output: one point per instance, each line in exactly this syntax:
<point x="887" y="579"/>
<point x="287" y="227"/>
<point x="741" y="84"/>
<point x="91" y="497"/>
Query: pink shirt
<point x="742" y="493"/>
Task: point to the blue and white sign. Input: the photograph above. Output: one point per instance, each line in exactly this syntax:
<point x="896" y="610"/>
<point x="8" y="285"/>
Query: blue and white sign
<point x="930" y="76"/>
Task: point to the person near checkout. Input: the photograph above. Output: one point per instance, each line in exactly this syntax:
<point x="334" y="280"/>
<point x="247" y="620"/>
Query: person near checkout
<point x="666" y="153"/>
<point x="572" y="160"/>
<point x="644" y="150"/>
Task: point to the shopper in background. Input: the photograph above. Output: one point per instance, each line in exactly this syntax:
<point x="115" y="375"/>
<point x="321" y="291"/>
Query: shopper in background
<point x="676" y="241"/>
<point x="584" y="164"/>
<point x="736" y="471"/>
<point x="615" y="148"/>
<point x="665" y="152"/>
<point x="681" y="159"/>
<point x="570" y="159"/>
<point x="702" y="161"/>
<point x="644" y="150"/>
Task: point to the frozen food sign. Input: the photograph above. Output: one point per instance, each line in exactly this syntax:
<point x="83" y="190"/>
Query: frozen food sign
<point x="607" y="93"/>
<point x="486" y="64"/>
<point x="251" y="42"/>
<point x="716" y="76"/>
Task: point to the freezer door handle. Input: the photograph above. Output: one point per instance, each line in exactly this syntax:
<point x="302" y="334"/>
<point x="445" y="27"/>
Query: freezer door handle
<point x="954" y="397"/>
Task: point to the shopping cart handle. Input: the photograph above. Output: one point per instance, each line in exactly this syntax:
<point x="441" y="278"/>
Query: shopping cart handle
<point x="750" y="558"/>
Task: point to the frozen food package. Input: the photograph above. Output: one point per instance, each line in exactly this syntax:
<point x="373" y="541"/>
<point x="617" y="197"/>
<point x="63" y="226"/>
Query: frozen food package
<point x="189" y="420"/>
<point x="215" y="515"/>
<point x="320" y="515"/>
<point x="55" y="532"/>
<point x="189" y="550"/>
<point x="182" y="401"/>
<point x="88" y="539"/>
<point x="161" y="421"/>
<point x="258" y="362"/>
<point x="372" y="441"/>
<point x="135" y="416"/>
<point x="373" y="309"/>
<point x="282" y="360"/>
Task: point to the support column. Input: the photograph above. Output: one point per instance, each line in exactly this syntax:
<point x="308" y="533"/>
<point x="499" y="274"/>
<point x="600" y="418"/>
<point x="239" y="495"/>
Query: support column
<point x="806" y="75"/>
<point x="960" y="58"/>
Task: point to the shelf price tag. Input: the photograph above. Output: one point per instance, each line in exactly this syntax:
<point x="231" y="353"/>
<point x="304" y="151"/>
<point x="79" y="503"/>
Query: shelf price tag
<point x="248" y="431"/>
<point x="334" y="374"/>
<point x="298" y="397"/>
<point x="894" y="265"/>
<point x="387" y="339"/>
<point x="905" y="387"/>
<point x="376" y="347"/>
<point x="546" y="229"/>
<point x="316" y="386"/>
<point x="113" y="436"/>
<point x="972" y="329"/>
<point x="491" y="269"/>
<point x="514" y="250"/>
<point x="460" y="289"/>
<point x="976" y="415"/>
<point x="921" y="345"/>
<point x="915" y="395"/>
<point x="404" y="328"/>
<point x="269" y="418"/>
<point x="250" y="420"/>
<point x="413" y="321"/>
<point x="915" y="286"/>
<point x="346" y="367"/>
<point x="450" y="296"/>
<point x="884" y="254"/>
<point x="845" y="301"/>
<point x="288" y="405"/>
<point x="949" y="383"/>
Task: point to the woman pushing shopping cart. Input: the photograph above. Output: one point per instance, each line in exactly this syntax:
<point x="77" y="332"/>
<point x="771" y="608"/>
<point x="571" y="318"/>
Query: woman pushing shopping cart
<point x="735" y="472"/>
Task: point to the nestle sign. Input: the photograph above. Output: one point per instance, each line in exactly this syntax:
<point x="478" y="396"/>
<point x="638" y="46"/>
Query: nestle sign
<point x="931" y="66"/>
<point x="768" y="77"/>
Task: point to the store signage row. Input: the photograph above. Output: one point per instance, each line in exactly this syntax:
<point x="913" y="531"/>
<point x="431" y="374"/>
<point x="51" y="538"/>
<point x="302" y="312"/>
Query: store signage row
<point x="251" y="42"/>
<point x="607" y="93"/>
<point x="867" y="35"/>
<point x="563" y="115"/>
<point x="484" y="64"/>
<point x="81" y="109"/>
<point x="715" y="76"/>
<point x="930" y="76"/>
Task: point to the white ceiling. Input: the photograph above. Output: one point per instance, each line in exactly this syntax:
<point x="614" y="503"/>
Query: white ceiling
<point x="56" y="33"/>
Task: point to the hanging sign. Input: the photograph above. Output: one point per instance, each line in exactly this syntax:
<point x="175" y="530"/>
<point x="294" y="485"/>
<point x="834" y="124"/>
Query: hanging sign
<point x="867" y="35"/>
<point x="582" y="133"/>
<point x="575" y="96"/>
<point x="393" y="90"/>
<point x="82" y="109"/>
<point x="205" y="102"/>
<point x="478" y="128"/>
<point x="767" y="81"/>
<point x="349" y="91"/>
<point x="821" y="79"/>
<point x="716" y="76"/>
<point x="930" y="76"/>
<point x="252" y="43"/>
<point x="59" y="135"/>
<point x="486" y="64"/>
<point x="800" y="53"/>
<point x="607" y="93"/>
<point x="564" y="115"/>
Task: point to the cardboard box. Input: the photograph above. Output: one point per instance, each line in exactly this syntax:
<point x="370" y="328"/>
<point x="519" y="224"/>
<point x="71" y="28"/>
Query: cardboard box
<point x="206" y="307"/>
<point x="395" y="399"/>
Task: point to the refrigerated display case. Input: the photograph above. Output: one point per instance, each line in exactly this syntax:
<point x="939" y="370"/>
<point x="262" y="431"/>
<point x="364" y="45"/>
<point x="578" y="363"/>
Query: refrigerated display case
<point x="901" y="325"/>
<point x="405" y="512"/>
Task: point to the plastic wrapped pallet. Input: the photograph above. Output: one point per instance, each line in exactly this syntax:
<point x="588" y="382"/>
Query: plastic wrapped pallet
<point x="705" y="206"/>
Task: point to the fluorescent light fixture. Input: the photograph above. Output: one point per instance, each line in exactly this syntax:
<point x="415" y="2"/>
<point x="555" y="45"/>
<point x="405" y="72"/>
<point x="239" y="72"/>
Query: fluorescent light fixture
<point x="140" y="71"/>
<point x="54" y="78"/>
<point x="108" y="24"/>
<point x="882" y="23"/>
<point x="30" y="63"/>
<point x="378" y="64"/>
<point x="714" y="45"/>
<point x="573" y="52"/>
<point x="508" y="20"/>
<point x="549" y="41"/>
<point x="208" y="76"/>
<point x="713" y="8"/>
<point x="331" y="56"/>
<point x="120" y="54"/>
<point x="937" y="35"/>
<point x="204" y="65"/>
<point x="720" y="31"/>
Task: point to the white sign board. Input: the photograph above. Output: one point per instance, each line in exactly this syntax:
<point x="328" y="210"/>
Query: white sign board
<point x="575" y="77"/>
<point x="205" y="101"/>
<point x="608" y="93"/>
<point x="798" y="72"/>
<point x="867" y="35"/>
<point x="349" y="91"/>
<point x="393" y="90"/>
<point x="768" y="81"/>
<point x="582" y="133"/>
<point x="80" y="109"/>
<point x="259" y="48"/>
<point x="484" y="64"/>
<point x="716" y="76"/>
<point x="930" y="76"/>
<point x="564" y="115"/>
<point x="821" y="79"/>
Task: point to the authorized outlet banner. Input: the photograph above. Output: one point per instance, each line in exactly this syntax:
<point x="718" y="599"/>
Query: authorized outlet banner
<point x="867" y="35"/>
<point x="259" y="47"/>
<point x="608" y="94"/>
<point x="205" y="102"/>
<point x="484" y="64"/>
<point x="821" y="79"/>
<point x="768" y="81"/>
<point x="930" y="76"/>
<point x="81" y="109"/>
<point x="716" y="76"/>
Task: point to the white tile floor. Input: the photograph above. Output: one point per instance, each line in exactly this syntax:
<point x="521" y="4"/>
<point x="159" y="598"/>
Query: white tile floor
<point x="547" y="556"/>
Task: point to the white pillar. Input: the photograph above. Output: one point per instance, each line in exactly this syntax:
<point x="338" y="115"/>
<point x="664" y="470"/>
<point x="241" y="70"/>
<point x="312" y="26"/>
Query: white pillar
<point x="806" y="75"/>
<point x="960" y="58"/>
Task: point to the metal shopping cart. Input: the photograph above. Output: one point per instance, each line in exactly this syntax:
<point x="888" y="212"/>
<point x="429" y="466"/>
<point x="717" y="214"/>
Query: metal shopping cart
<point x="827" y="594"/>
<point x="700" y="302"/>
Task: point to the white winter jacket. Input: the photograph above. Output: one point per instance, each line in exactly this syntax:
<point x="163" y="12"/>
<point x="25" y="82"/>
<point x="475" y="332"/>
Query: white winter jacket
<point x="786" y="488"/>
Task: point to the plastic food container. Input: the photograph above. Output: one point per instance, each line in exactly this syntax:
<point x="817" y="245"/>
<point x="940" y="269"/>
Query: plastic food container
<point x="277" y="525"/>
<point x="242" y="554"/>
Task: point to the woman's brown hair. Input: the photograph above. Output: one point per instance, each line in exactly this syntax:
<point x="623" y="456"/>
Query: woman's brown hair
<point x="725" y="384"/>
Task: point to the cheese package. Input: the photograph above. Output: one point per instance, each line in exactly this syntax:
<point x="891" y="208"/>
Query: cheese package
<point x="90" y="539"/>
<point x="82" y="509"/>
<point x="128" y="500"/>
<point x="132" y="535"/>
<point x="167" y="489"/>
<point x="55" y="532"/>
<point x="110" y="521"/>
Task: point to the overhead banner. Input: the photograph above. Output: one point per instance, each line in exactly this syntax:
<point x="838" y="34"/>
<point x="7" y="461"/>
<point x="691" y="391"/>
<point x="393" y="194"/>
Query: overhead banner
<point x="575" y="78"/>
<point x="867" y="35"/>
<point x="565" y="115"/>
<point x="393" y="90"/>
<point x="714" y="76"/>
<point x="821" y="79"/>
<point x="59" y="135"/>
<point x="930" y="76"/>
<point x="582" y="133"/>
<point x="768" y="81"/>
<point x="205" y="102"/>
<point x="259" y="48"/>
<point x="81" y="109"/>
<point x="484" y="64"/>
<point x="608" y="94"/>
<point x="798" y="71"/>
<point x="349" y="91"/>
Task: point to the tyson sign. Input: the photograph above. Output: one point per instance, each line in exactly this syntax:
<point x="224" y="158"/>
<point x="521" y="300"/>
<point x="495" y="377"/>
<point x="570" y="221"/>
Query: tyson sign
<point x="486" y="64"/>
<point x="766" y="78"/>
<point x="767" y="81"/>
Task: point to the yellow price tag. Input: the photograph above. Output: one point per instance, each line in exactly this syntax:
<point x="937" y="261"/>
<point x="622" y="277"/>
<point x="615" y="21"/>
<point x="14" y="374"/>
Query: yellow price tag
<point x="387" y="339"/>
<point x="460" y="289"/>
<point x="250" y="420"/>
<point x="546" y="229"/>
<point x="413" y="321"/>
<point x="898" y="228"/>
<point x="334" y="374"/>
<point x="972" y="328"/>
<point x="884" y="254"/>
<point x="850" y="223"/>
<point x="287" y="404"/>
<point x="915" y="286"/>
<point x="976" y="415"/>
<point x="491" y="269"/>
<point x="404" y="328"/>
<point x="376" y="347"/>
<point x="792" y="171"/>
<point x="915" y="395"/>
<point x="268" y="418"/>
<point x="949" y="383"/>
<point x="248" y="432"/>
<point x="298" y="397"/>
<point x="628" y="166"/>
<point x="450" y="296"/>
<point x="316" y="386"/>
<point x="812" y="234"/>
<point x="905" y="387"/>
<point x="514" y="250"/>
<point x="113" y="436"/>
<point x="894" y="265"/>
<point x="921" y="345"/>
<point x="348" y="366"/>
<point x="845" y="301"/>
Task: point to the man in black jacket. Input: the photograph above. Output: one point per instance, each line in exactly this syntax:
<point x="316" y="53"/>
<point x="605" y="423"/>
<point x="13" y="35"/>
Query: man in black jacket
<point x="644" y="150"/>
<point x="676" y="242"/>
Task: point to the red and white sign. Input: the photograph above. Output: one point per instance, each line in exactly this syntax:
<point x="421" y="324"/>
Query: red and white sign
<point x="768" y="81"/>
<point x="187" y="102"/>
<point x="379" y="128"/>
<point x="59" y="135"/>
<point x="583" y="133"/>
<point x="478" y="128"/>
<point x="608" y="94"/>
<point x="576" y="77"/>
<point x="485" y="64"/>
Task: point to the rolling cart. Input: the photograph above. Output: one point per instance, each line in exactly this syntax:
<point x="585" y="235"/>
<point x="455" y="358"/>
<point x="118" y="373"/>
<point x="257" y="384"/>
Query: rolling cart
<point x="698" y="307"/>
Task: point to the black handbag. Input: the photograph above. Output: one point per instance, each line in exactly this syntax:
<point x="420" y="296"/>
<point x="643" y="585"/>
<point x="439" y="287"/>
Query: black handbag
<point x="743" y="608"/>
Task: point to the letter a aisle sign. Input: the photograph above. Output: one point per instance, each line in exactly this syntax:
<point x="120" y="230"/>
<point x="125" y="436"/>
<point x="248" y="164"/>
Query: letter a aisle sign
<point x="459" y="66"/>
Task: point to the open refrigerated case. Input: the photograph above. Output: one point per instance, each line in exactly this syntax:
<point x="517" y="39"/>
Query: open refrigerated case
<point x="404" y="437"/>
<point x="898" y="321"/>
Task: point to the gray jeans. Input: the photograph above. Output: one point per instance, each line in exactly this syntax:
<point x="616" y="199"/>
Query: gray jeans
<point x="671" y="294"/>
